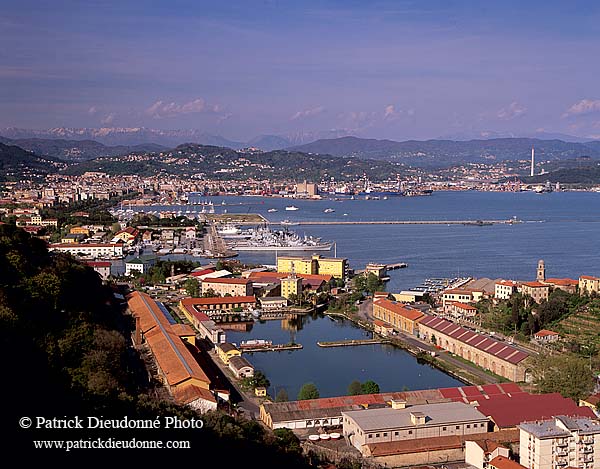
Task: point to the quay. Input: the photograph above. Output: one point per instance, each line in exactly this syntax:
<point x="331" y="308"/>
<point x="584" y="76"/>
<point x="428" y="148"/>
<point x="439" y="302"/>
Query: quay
<point x="352" y="342"/>
<point x="271" y="348"/>
<point x="398" y="265"/>
<point x="403" y="222"/>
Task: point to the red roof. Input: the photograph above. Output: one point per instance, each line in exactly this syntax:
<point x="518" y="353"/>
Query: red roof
<point x="399" y="309"/>
<point x="481" y="342"/>
<point x="545" y="333"/>
<point x="198" y="273"/>
<point x="464" y="306"/>
<point x="535" y="284"/>
<point x="510" y="410"/>
<point x="562" y="281"/>
<point x="589" y="277"/>
<point x="507" y="283"/>
<point x="500" y="462"/>
<point x="229" y="281"/>
<point x="99" y="264"/>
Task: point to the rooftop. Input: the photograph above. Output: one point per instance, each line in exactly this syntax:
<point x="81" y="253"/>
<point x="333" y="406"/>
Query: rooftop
<point x="557" y="427"/>
<point x="500" y="462"/>
<point x="399" y="308"/>
<point x="436" y="414"/>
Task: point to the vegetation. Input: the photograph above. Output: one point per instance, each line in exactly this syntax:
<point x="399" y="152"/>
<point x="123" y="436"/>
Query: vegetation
<point x="17" y="164"/>
<point x="192" y="287"/>
<point x="257" y="381"/>
<point x="146" y="219"/>
<point x="308" y="391"/>
<point x="163" y="269"/>
<point x="567" y="374"/>
<point x="282" y="396"/>
<point x="62" y="335"/>
<point x="368" y="387"/>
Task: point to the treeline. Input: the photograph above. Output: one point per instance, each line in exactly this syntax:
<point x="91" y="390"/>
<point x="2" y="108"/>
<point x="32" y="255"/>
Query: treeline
<point x="66" y="351"/>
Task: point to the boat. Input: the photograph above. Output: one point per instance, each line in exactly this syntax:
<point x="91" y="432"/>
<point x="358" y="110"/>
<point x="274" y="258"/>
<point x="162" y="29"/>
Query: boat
<point x="291" y="208"/>
<point x="287" y="222"/>
<point x="164" y="251"/>
<point x="272" y="210"/>
<point x="179" y="251"/>
<point x="265" y="239"/>
<point x="232" y="232"/>
<point x="197" y="252"/>
<point x="255" y="343"/>
<point x="328" y="210"/>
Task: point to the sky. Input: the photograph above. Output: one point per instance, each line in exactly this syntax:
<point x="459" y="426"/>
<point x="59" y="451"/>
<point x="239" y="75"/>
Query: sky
<point x="379" y="69"/>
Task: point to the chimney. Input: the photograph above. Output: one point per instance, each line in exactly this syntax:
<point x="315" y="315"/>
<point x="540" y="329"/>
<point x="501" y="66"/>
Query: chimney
<point x="398" y="404"/>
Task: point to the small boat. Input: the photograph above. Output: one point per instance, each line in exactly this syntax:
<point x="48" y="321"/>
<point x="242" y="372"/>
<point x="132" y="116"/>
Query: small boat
<point x="328" y="210"/>
<point x="292" y="208"/>
<point x="289" y="222"/>
<point x="271" y="210"/>
<point x="345" y="214"/>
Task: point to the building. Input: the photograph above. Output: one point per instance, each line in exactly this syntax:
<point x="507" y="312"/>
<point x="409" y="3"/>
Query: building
<point x="79" y="230"/>
<point x="536" y="290"/>
<point x="138" y="265"/>
<point x="185" y="380"/>
<point x="461" y="295"/>
<point x="101" y="267"/>
<point x="498" y="357"/>
<point x="272" y="303"/>
<point x="218" y="305"/>
<point x="504" y="289"/>
<point x="401" y="317"/>
<point x="241" y="367"/>
<point x="591" y="402"/>
<point x="337" y="267"/>
<point x="479" y="453"/>
<point x="72" y="238"/>
<point x="227" y="286"/>
<point x="260" y="391"/>
<point x="372" y="426"/>
<point x="126" y="235"/>
<point x="307" y="189"/>
<point x="589" y="285"/>
<point x="94" y="251"/>
<point x="378" y="269"/>
<point x="291" y="285"/>
<point x="560" y="442"/>
<point x="566" y="284"/>
<point x="545" y="336"/>
<point x="227" y="351"/>
<point x="460" y="310"/>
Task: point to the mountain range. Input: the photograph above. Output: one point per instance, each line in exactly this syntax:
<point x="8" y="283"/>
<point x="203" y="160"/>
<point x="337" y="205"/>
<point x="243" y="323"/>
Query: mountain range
<point x="439" y="153"/>
<point x="17" y="164"/>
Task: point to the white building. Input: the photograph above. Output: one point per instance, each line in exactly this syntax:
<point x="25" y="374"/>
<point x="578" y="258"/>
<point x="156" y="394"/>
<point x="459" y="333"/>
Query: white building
<point x="94" y="251"/>
<point x="559" y="443"/>
<point x="504" y="289"/>
<point x="479" y="453"/>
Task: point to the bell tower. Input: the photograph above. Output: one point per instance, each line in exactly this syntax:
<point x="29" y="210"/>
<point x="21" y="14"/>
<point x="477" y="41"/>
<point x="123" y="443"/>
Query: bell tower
<point x="541" y="271"/>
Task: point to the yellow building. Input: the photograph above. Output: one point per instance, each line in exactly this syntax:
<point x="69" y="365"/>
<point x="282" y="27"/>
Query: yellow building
<point x="589" y="284"/>
<point x="291" y="285"/>
<point x="260" y="391"/>
<point x="334" y="266"/>
<point x="79" y="230"/>
<point x="227" y="351"/>
<point x="402" y="318"/>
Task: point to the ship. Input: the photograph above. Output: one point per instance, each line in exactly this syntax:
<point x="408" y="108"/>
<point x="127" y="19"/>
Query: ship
<point x="265" y="239"/>
<point x="287" y="222"/>
<point x="292" y="208"/>
<point x="232" y="232"/>
<point x="255" y="343"/>
<point x="271" y="210"/>
<point x="328" y="210"/>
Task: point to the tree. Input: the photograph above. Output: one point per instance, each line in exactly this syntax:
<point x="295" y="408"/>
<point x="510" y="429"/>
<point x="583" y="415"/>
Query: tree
<point x="308" y="391"/>
<point x="567" y="374"/>
<point x="373" y="283"/>
<point x="359" y="283"/>
<point x="370" y="387"/>
<point x="210" y="293"/>
<point x="355" y="388"/>
<point x="282" y="396"/>
<point x="192" y="287"/>
<point x="433" y="339"/>
<point x="287" y="440"/>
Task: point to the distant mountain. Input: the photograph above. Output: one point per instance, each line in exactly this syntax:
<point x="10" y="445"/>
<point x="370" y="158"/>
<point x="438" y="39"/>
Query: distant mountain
<point x="491" y="134"/>
<point x="123" y="136"/>
<point x="227" y="164"/>
<point x="439" y="153"/>
<point x="17" y="164"/>
<point x="269" y="142"/>
<point x="77" y="150"/>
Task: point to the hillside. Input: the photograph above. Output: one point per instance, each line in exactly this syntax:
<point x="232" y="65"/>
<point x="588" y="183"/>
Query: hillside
<point x="76" y="150"/>
<point x="17" y="164"/>
<point x="581" y="174"/>
<point x="225" y="163"/>
<point x="439" y="153"/>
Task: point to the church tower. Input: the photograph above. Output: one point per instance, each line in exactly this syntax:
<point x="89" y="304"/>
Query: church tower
<point x="541" y="271"/>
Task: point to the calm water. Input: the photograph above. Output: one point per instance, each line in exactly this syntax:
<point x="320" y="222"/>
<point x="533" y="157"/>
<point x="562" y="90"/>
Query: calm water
<point x="561" y="228"/>
<point x="333" y="369"/>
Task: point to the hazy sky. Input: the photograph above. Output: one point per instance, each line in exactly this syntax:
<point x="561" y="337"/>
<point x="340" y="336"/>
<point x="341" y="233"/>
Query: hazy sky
<point x="383" y="69"/>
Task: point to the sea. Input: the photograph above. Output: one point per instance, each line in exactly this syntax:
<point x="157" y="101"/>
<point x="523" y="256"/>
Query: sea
<point x="562" y="228"/>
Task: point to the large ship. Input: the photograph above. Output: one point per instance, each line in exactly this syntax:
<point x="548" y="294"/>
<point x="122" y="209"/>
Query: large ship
<point x="265" y="239"/>
<point x="232" y="232"/>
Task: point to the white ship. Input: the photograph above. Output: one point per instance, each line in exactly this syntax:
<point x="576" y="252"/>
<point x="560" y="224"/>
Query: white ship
<point x="287" y="222"/>
<point x="292" y="208"/>
<point x="232" y="232"/>
<point x="265" y="239"/>
<point x="272" y="210"/>
<point x="328" y="210"/>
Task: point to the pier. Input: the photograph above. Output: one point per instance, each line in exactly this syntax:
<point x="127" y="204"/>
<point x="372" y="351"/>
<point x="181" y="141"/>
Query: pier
<point x="398" y="265"/>
<point x="403" y="222"/>
<point x="353" y="342"/>
<point x="271" y="348"/>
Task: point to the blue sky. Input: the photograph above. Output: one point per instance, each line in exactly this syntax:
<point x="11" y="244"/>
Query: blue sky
<point x="381" y="69"/>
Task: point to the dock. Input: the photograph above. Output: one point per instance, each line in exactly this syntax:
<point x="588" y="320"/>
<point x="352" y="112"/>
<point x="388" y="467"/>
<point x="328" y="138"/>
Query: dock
<point x="398" y="265"/>
<point x="352" y="342"/>
<point x="271" y="348"/>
